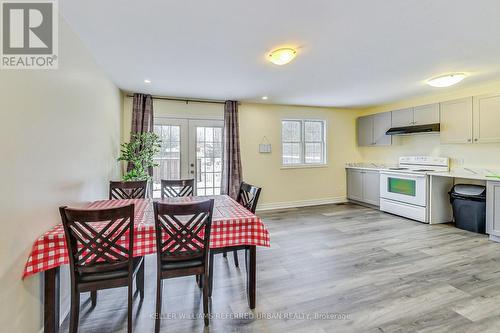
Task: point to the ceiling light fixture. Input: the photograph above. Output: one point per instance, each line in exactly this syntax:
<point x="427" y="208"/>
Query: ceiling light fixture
<point x="446" y="80"/>
<point x="148" y="81"/>
<point x="282" y="56"/>
<point x="264" y="98"/>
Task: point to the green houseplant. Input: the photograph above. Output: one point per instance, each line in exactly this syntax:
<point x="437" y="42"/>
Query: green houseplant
<point x="140" y="152"/>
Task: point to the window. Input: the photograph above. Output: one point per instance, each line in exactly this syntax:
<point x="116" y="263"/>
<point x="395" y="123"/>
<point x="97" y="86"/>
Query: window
<point x="303" y="142"/>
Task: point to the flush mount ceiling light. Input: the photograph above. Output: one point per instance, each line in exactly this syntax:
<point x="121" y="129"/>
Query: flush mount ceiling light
<point x="148" y="81"/>
<point x="282" y="56"/>
<point x="446" y="80"/>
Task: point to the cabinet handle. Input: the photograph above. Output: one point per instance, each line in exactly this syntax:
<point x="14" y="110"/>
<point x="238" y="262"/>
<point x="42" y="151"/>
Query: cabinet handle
<point x="475" y="139"/>
<point x="469" y="140"/>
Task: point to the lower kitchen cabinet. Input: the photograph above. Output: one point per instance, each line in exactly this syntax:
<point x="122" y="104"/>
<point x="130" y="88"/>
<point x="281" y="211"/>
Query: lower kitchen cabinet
<point x="371" y="187"/>
<point x="493" y="209"/>
<point x="363" y="186"/>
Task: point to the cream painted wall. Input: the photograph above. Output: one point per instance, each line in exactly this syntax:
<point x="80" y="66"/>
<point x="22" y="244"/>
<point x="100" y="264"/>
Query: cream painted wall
<point x="265" y="170"/>
<point x="301" y="184"/>
<point x="172" y="109"/>
<point x="59" y="140"/>
<point x="462" y="155"/>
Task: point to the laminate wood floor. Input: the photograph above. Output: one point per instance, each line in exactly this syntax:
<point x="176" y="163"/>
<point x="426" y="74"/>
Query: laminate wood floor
<point x="332" y="268"/>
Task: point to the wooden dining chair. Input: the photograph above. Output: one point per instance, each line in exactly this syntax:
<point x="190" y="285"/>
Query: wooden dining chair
<point x="128" y="189"/>
<point x="177" y="188"/>
<point x="248" y="196"/>
<point x="97" y="260"/>
<point x="182" y="245"/>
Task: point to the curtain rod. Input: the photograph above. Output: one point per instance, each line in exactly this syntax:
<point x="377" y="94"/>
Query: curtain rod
<point x="211" y="101"/>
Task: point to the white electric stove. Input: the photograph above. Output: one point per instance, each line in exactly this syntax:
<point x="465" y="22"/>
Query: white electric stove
<point x="404" y="190"/>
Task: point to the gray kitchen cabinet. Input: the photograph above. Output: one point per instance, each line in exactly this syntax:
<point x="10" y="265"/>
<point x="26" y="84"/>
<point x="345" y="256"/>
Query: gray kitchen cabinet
<point x="355" y="184"/>
<point x="426" y="114"/>
<point x="365" y="131"/>
<point x="363" y="186"/>
<point x="419" y="115"/>
<point x="381" y="124"/>
<point x="371" y="130"/>
<point x="371" y="187"/>
<point x="456" y="121"/>
<point x="402" y="118"/>
<point x="486" y="118"/>
<point x="493" y="209"/>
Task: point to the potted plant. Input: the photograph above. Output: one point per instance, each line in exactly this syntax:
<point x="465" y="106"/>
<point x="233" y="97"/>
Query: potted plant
<point x="140" y="153"/>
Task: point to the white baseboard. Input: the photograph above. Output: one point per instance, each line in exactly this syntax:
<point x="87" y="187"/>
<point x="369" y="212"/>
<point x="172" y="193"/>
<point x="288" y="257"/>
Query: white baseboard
<point x="300" y="203"/>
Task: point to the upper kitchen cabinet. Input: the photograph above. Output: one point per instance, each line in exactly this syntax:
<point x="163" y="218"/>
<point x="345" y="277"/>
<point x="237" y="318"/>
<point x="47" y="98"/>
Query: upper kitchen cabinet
<point x="419" y="115"/>
<point x="402" y="118"/>
<point x="426" y="114"/>
<point x="456" y="121"/>
<point x="371" y="130"/>
<point x="486" y="118"/>
<point x="381" y="124"/>
<point x="365" y="131"/>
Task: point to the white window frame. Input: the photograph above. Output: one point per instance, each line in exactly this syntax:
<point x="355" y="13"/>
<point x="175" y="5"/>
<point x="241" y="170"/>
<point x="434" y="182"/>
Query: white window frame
<point x="302" y="163"/>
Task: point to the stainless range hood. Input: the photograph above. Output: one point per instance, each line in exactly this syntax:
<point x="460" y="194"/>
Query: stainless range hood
<point x="413" y="129"/>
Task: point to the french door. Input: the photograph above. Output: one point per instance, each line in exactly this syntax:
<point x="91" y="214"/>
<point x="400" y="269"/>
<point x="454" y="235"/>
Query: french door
<point x="191" y="148"/>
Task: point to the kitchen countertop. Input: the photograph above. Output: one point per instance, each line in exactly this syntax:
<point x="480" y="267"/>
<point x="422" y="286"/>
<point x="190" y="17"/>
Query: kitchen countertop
<point x="368" y="166"/>
<point x="461" y="173"/>
<point x="477" y="174"/>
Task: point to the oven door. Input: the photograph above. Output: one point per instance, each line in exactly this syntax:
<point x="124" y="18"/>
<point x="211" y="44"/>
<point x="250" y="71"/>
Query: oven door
<point x="407" y="188"/>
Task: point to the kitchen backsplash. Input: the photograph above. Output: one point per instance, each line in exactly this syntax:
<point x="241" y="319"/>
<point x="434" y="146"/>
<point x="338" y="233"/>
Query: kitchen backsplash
<point x="461" y="155"/>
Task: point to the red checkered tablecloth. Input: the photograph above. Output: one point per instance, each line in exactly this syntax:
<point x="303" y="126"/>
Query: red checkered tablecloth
<point x="232" y="225"/>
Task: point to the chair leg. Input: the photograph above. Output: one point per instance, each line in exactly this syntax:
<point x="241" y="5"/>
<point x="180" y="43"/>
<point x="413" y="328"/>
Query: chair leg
<point x="139" y="280"/>
<point x="129" y="313"/>
<point x="205" y="299"/>
<point x="93" y="297"/>
<point x="235" y="255"/>
<point x="159" y="288"/>
<point x="210" y="273"/>
<point x="75" y="312"/>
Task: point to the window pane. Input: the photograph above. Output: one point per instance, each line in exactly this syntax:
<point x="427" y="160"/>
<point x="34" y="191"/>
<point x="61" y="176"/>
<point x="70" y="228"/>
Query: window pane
<point x="291" y="131"/>
<point x="291" y="153"/>
<point x="313" y="131"/>
<point x="218" y="134"/>
<point x="209" y="134"/>
<point x="314" y="153"/>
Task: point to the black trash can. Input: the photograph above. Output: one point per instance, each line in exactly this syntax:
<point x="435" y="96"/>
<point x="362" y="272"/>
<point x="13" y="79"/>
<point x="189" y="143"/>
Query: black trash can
<point x="469" y="207"/>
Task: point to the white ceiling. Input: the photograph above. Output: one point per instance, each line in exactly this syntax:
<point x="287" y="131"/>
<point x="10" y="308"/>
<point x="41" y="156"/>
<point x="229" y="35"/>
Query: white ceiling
<point x="352" y="53"/>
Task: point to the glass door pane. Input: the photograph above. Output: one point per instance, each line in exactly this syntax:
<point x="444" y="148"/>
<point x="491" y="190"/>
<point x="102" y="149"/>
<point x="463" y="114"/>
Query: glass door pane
<point x="208" y="160"/>
<point x="172" y="158"/>
<point x="207" y="155"/>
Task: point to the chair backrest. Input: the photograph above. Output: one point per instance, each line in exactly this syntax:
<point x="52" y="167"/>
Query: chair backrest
<point x="183" y="230"/>
<point x="248" y="196"/>
<point x="92" y="238"/>
<point x="177" y="188"/>
<point x="128" y="190"/>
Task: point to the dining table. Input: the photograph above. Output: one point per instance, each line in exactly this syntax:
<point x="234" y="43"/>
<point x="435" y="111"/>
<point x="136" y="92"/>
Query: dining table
<point x="233" y="227"/>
